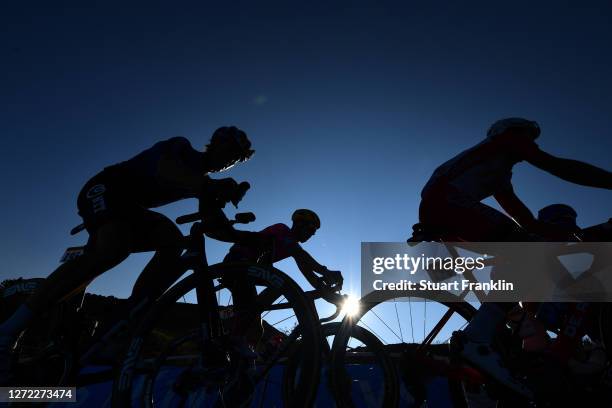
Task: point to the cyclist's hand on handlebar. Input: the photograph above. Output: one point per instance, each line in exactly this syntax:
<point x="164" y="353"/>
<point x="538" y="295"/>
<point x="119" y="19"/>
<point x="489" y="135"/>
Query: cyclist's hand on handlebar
<point x="226" y="190"/>
<point x="332" y="279"/>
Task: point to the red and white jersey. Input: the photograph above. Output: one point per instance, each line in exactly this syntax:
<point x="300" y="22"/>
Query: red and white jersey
<point x="482" y="170"/>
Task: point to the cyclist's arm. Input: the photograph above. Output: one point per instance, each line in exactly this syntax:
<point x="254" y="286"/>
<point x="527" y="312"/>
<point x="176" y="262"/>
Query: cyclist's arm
<point x="570" y="170"/>
<point x="304" y="260"/>
<point x="227" y="233"/>
<point x="219" y="227"/>
<point x="308" y="266"/>
<point x="305" y="264"/>
<point x="509" y="201"/>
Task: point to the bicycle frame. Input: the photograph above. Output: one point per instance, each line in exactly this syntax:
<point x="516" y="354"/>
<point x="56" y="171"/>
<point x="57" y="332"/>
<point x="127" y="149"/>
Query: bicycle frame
<point x="210" y="325"/>
<point x="469" y="275"/>
<point x="207" y="304"/>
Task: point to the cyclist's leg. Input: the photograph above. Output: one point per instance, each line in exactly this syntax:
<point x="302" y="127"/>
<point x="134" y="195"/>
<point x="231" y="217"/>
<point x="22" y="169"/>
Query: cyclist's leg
<point x="450" y="210"/>
<point x="154" y="231"/>
<point x="246" y="317"/>
<point x="475" y="221"/>
<point x="573" y="329"/>
<point x="246" y="322"/>
<point x="108" y="246"/>
<point x="460" y="215"/>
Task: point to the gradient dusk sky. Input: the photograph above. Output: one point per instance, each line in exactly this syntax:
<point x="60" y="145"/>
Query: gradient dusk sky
<point x="350" y="106"/>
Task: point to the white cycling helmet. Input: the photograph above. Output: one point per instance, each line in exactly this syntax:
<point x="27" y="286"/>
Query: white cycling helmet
<point x="501" y="126"/>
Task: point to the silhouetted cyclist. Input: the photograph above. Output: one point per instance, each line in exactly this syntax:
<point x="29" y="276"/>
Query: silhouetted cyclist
<point x="575" y="319"/>
<point x="284" y="242"/>
<point x="451" y="202"/>
<point x="543" y="316"/>
<point x="273" y="244"/>
<point x="114" y="205"/>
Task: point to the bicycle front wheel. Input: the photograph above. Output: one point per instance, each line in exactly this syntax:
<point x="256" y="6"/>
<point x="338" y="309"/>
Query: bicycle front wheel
<point x="166" y="349"/>
<point x="369" y="364"/>
<point x="406" y="325"/>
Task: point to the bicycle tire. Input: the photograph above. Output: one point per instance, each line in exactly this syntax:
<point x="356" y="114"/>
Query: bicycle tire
<point x="605" y="326"/>
<point x="256" y="274"/>
<point x="390" y="391"/>
<point x="45" y="353"/>
<point x="338" y="374"/>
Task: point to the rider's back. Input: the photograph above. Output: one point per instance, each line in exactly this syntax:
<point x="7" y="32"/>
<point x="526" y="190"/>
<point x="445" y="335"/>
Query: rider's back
<point x="281" y="236"/>
<point x="477" y="172"/>
<point x="141" y="178"/>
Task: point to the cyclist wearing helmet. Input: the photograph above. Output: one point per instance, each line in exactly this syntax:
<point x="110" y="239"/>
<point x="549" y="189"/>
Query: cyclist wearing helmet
<point x="451" y="202"/>
<point x="562" y="220"/>
<point x="573" y="320"/>
<point x="452" y="197"/>
<point x="115" y="204"/>
<point x="285" y="242"/>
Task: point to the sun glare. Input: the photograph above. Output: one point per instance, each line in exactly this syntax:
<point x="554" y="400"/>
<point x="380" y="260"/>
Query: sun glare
<point x="351" y="305"/>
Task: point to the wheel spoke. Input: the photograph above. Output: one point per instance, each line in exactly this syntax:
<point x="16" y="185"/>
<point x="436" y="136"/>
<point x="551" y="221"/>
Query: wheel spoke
<point x="282" y="320"/>
<point x="399" y="323"/>
<point x="411" y="322"/>
<point x="424" y="317"/>
<point x="383" y="322"/>
<point x="276" y="302"/>
<point x="372" y="331"/>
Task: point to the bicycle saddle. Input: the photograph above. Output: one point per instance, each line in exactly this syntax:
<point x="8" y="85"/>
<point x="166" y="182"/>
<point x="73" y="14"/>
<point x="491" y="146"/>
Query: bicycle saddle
<point x="426" y="232"/>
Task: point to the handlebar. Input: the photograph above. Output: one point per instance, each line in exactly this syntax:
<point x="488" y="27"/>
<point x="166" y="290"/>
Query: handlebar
<point x="217" y="194"/>
<point x="334" y="298"/>
<point x="239" y="218"/>
<point x="210" y="218"/>
<point x="187" y="218"/>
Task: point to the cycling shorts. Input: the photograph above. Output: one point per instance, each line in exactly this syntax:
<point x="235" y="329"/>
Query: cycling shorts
<point x="446" y="208"/>
<point x="103" y="198"/>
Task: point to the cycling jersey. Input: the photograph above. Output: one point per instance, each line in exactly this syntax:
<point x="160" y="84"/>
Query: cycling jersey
<point x="143" y="178"/>
<point x="451" y="198"/>
<point x="127" y="189"/>
<point x="482" y="170"/>
<point x="283" y="240"/>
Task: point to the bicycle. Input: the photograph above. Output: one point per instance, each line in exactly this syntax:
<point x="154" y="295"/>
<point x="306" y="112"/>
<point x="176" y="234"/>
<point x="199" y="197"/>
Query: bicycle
<point x="60" y="342"/>
<point x="51" y="351"/>
<point x="423" y="359"/>
<point x="366" y="354"/>
<point x="63" y="340"/>
<point x="201" y="365"/>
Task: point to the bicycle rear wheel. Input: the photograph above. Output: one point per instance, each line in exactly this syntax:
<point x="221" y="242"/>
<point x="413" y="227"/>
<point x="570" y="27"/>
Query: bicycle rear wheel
<point x="45" y="353"/>
<point x="166" y="348"/>
<point x="408" y="325"/>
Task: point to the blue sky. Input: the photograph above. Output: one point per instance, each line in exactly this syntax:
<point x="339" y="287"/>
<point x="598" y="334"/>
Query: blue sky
<point x="350" y="106"/>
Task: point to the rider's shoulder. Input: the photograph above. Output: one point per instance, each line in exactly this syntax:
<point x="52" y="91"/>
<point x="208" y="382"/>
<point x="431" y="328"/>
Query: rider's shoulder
<point x="178" y="146"/>
<point x="277" y="228"/>
<point x="523" y="146"/>
<point x="178" y="141"/>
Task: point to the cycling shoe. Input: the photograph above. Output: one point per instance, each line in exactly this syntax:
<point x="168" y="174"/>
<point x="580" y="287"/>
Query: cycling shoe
<point x="483" y="357"/>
